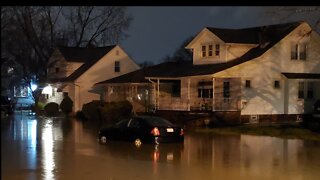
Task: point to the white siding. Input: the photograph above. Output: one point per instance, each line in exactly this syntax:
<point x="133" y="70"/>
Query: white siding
<point x="263" y="98"/>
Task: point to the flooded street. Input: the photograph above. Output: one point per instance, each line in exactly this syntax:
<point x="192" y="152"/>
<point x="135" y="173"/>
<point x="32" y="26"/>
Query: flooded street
<point x="57" y="148"/>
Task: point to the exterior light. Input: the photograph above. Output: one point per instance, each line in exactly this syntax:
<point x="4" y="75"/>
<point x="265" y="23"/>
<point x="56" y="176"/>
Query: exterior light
<point x="34" y="87"/>
<point x="47" y="90"/>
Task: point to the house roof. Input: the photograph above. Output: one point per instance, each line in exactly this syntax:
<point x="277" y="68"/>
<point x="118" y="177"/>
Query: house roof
<point x="301" y="75"/>
<point x="250" y="35"/>
<point x="88" y="55"/>
<point x="272" y="35"/>
<point x="84" y="54"/>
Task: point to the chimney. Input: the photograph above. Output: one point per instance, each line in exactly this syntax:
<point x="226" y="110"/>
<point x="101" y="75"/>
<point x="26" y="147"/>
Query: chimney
<point x="262" y="37"/>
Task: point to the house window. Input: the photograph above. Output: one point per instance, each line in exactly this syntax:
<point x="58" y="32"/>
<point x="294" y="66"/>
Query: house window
<point x="294" y="51"/>
<point x="205" y="93"/>
<point x="248" y="84"/>
<point x="277" y="84"/>
<point x="176" y="89"/>
<point x="310" y="90"/>
<point x="303" y="51"/>
<point x="117" y="66"/>
<point x="57" y="70"/>
<point x="205" y="89"/>
<point x="226" y="89"/>
<point x="298" y="51"/>
<point x="210" y="50"/>
<point x="204" y="51"/>
<point x="217" y="52"/>
<point x="301" y="90"/>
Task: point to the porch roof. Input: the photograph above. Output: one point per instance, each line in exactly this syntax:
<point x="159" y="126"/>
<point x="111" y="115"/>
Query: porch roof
<point x="302" y="75"/>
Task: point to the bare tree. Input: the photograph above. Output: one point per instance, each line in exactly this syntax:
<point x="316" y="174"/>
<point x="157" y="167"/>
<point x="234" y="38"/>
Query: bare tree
<point x="29" y="34"/>
<point x="181" y="54"/>
<point x="96" y="25"/>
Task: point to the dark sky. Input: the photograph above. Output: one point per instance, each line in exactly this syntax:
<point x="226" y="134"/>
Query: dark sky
<point x="156" y="32"/>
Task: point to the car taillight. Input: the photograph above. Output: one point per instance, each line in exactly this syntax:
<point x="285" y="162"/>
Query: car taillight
<point x="155" y="131"/>
<point x="181" y="132"/>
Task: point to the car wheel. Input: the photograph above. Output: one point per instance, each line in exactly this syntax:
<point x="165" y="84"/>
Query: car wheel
<point x="137" y="142"/>
<point x="103" y="139"/>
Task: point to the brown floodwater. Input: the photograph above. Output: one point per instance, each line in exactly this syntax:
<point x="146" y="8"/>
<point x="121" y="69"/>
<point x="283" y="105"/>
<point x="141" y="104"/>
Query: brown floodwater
<point x="57" y="148"/>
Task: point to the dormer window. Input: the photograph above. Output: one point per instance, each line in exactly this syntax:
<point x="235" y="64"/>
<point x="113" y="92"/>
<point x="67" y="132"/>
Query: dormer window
<point x="217" y="52"/>
<point x="207" y="50"/>
<point x="210" y="50"/>
<point x="204" y="51"/>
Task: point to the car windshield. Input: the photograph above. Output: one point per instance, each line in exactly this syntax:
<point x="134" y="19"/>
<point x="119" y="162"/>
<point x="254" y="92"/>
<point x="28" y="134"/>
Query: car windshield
<point x="157" y="121"/>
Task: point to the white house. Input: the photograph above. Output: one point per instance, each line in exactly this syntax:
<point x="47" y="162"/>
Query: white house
<point x="268" y="72"/>
<point x="74" y="70"/>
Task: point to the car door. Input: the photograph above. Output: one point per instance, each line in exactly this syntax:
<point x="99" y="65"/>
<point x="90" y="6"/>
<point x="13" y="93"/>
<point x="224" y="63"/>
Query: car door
<point x="119" y="130"/>
<point x="135" y="128"/>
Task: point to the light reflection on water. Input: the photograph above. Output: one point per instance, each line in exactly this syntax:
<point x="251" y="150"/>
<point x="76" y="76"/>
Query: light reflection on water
<point x="55" y="148"/>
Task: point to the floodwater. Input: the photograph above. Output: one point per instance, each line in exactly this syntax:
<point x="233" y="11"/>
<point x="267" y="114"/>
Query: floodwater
<point x="57" y="148"/>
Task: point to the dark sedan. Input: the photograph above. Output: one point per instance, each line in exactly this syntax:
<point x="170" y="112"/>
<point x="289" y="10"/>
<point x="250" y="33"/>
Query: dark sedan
<point x="143" y="129"/>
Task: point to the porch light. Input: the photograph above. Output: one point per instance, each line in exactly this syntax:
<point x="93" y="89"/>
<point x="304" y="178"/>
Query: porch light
<point x="47" y="90"/>
<point x="34" y="87"/>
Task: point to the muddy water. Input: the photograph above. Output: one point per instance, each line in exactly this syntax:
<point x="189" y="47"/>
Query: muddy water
<point x="55" y="148"/>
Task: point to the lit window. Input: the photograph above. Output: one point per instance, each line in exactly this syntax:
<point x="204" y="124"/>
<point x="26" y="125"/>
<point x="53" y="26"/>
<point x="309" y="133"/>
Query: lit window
<point x="117" y="66"/>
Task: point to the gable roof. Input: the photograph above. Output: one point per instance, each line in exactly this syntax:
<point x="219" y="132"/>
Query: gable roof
<point x="88" y="55"/>
<point x="272" y="34"/>
<point x="84" y="54"/>
<point x="250" y="35"/>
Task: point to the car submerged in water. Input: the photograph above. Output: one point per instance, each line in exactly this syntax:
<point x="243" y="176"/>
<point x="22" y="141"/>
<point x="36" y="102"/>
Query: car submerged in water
<point x="143" y="129"/>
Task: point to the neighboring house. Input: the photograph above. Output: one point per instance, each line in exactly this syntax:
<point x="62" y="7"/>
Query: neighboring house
<point x="261" y="72"/>
<point x="74" y="70"/>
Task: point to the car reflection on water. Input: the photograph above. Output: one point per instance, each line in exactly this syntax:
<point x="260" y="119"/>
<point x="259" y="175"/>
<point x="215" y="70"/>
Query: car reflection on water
<point x="148" y="152"/>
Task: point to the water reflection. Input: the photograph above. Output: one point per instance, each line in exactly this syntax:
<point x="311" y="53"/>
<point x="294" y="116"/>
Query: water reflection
<point x="57" y="148"/>
<point x="48" y="163"/>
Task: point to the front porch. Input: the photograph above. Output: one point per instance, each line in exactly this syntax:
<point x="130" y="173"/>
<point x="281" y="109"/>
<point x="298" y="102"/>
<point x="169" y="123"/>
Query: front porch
<point x="196" y="94"/>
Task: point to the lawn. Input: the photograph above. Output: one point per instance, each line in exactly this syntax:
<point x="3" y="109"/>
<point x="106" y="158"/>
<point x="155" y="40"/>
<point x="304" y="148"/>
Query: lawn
<point x="281" y="131"/>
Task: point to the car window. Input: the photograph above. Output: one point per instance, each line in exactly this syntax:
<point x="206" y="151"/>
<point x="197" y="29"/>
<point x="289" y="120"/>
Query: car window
<point x="134" y="123"/>
<point x="121" y="124"/>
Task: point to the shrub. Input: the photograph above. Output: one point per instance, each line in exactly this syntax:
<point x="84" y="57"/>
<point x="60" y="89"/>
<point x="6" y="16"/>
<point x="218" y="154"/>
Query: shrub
<point x="66" y="105"/>
<point x="51" y="109"/>
<point x="80" y="115"/>
<point x="107" y="113"/>
<point x="91" y="110"/>
<point x="115" y="111"/>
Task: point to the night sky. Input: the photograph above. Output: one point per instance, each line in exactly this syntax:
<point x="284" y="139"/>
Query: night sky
<point x="156" y="32"/>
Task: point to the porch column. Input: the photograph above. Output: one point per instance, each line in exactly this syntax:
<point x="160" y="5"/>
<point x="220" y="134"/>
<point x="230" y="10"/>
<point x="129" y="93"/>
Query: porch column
<point x="188" y="94"/>
<point x="158" y="93"/>
<point x="213" y="98"/>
